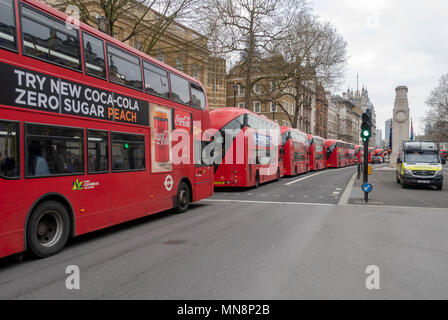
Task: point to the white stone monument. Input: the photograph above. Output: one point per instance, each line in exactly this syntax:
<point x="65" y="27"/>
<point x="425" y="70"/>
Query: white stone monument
<point x="400" y="122"/>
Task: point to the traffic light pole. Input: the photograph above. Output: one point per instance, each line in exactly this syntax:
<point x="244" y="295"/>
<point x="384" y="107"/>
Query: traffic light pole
<point x="366" y="168"/>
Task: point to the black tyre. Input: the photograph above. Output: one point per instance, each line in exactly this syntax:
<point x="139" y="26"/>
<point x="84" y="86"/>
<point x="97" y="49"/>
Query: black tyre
<point x="183" y="198"/>
<point x="403" y="185"/>
<point x="257" y="180"/>
<point x="296" y="172"/>
<point x="278" y="175"/>
<point x="398" y="180"/>
<point x="48" y="229"/>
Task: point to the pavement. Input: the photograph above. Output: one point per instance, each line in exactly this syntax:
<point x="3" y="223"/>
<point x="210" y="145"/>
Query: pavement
<point x="387" y="192"/>
<point x="256" y="244"/>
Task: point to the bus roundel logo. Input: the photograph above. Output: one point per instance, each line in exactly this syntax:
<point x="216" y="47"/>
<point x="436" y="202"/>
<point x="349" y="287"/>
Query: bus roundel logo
<point x="169" y="183"/>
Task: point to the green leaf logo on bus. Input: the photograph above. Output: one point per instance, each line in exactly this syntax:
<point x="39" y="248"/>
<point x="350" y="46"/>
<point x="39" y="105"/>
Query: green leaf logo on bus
<point x="78" y="185"/>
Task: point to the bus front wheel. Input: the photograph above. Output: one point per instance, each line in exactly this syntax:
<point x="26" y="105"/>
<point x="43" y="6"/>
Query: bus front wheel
<point x="48" y="229"/>
<point x="183" y="198"/>
<point x="257" y="180"/>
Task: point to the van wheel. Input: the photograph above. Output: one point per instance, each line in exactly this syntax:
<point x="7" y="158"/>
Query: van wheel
<point x="48" y="229"/>
<point x="183" y="198"/>
<point x="398" y="180"/>
<point x="403" y="185"/>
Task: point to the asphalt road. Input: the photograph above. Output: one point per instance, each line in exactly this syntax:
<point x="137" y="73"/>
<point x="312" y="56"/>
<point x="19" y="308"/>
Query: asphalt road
<point x="267" y="245"/>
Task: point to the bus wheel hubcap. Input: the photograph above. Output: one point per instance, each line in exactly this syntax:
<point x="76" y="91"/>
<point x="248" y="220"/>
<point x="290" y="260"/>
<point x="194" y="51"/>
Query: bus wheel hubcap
<point x="49" y="229"/>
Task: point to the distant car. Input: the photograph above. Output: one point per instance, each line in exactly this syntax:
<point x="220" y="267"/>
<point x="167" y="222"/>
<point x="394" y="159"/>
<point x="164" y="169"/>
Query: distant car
<point x="377" y="159"/>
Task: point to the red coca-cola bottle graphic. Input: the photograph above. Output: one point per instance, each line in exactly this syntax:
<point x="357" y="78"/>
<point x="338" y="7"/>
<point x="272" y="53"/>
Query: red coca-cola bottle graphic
<point x="162" y="148"/>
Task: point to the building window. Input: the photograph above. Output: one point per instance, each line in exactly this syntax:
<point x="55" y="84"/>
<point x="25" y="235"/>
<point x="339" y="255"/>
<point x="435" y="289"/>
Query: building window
<point x="179" y="63"/>
<point x="241" y="105"/>
<point x="138" y="45"/>
<point x="160" y="56"/>
<point x="240" y="90"/>
<point x="257" y="88"/>
<point x="273" y="106"/>
<point x="257" y="107"/>
<point x="195" y="71"/>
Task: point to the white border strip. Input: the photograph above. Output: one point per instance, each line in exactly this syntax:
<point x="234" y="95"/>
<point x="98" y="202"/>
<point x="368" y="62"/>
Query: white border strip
<point x="348" y="190"/>
<point x="316" y="174"/>
<point x="270" y="202"/>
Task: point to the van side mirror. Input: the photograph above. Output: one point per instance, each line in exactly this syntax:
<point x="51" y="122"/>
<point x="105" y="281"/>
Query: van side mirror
<point x="444" y="161"/>
<point x="399" y="160"/>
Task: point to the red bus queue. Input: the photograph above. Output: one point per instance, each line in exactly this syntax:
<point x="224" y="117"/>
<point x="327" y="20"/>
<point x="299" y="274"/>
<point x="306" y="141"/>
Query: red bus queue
<point x="94" y="133"/>
<point x="339" y="154"/>
<point x="251" y="153"/>
<point x="87" y="131"/>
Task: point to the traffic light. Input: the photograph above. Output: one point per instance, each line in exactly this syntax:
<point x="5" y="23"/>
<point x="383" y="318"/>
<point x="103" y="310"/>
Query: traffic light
<point x="366" y="127"/>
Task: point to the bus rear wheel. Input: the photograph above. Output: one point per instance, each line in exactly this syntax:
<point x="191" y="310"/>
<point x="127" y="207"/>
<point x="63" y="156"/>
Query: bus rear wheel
<point x="183" y="198"/>
<point x="48" y="229"/>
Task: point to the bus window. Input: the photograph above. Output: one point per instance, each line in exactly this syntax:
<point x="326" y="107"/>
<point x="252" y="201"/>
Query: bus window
<point x="180" y="89"/>
<point x="156" y="80"/>
<point x="124" y="68"/>
<point x="7" y="25"/>
<point x="9" y="149"/>
<point x="48" y="39"/>
<point x="197" y="97"/>
<point x="97" y="151"/>
<point x="128" y="152"/>
<point x="53" y="150"/>
<point x="94" y="56"/>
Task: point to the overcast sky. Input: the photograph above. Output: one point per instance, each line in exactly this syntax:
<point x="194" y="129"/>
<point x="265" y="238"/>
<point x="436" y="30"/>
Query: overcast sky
<point x="392" y="43"/>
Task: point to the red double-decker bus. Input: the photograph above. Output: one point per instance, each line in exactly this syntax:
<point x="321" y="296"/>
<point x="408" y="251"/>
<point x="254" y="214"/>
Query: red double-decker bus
<point x="335" y="153"/>
<point x="316" y="153"/>
<point x="350" y="154"/>
<point x="250" y="148"/>
<point x="88" y="129"/>
<point x="359" y="154"/>
<point x="294" y="144"/>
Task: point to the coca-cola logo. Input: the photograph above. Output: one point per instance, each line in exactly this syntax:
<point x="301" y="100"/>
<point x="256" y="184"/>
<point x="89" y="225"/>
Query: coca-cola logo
<point x="182" y="120"/>
<point x="161" y="138"/>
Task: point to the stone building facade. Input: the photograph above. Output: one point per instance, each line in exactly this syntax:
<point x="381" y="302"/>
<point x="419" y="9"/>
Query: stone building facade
<point x="179" y="47"/>
<point x="344" y="120"/>
<point x="313" y="102"/>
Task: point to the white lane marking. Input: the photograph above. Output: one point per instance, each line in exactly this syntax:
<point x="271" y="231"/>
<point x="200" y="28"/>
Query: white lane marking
<point x="346" y="195"/>
<point x="270" y="202"/>
<point x="316" y="174"/>
<point x="445" y="210"/>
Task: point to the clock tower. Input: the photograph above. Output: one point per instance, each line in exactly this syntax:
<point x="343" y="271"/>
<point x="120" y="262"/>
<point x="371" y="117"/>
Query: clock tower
<point x="400" y="122"/>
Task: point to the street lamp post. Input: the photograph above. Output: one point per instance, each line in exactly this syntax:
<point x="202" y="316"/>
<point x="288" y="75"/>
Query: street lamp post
<point x="235" y="91"/>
